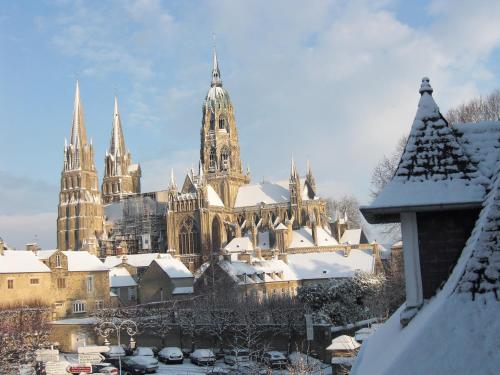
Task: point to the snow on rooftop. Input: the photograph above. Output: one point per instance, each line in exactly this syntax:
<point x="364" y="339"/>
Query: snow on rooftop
<point x="481" y="142"/>
<point x="328" y="265"/>
<point x="21" y="261"/>
<point x="462" y="317"/>
<point x="343" y="342"/>
<point x="351" y="237"/>
<point x="81" y="261"/>
<point x="44" y="254"/>
<point x="173" y="267"/>
<point x="435" y="168"/>
<point x="265" y="192"/>
<point x="263" y="239"/>
<point x="213" y="198"/>
<point x="120" y="277"/>
<point x="238" y="244"/>
<point x="135" y="260"/>
<point x="302" y="237"/>
<point x="183" y="290"/>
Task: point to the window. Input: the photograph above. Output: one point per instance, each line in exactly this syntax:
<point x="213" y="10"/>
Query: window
<point x="59" y="305"/>
<point x="90" y="284"/>
<point x="61" y="283"/>
<point x="213" y="160"/>
<point x="212" y="121"/>
<point x="189" y="242"/>
<point x="78" y="306"/>
<point x="58" y="260"/>
<point x="10" y="284"/>
<point x="224" y="159"/>
<point x="99" y="304"/>
<point x="131" y="294"/>
<point x="222" y="123"/>
<point x="34" y="281"/>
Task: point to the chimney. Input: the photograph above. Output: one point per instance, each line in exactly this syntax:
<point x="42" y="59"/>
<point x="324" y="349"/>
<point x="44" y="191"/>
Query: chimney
<point x="124" y="259"/>
<point x="283" y="257"/>
<point x="258" y="253"/>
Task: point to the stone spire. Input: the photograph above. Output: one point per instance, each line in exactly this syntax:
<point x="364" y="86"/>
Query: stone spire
<point x="293" y="170"/>
<point x="220" y="149"/>
<point x="117" y="143"/>
<point x="216" y="80"/>
<point x="121" y="177"/>
<point x="80" y="219"/>
<point x="78" y="133"/>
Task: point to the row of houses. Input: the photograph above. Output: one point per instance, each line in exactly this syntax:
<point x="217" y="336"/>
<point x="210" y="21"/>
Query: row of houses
<point x="76" y="283"/>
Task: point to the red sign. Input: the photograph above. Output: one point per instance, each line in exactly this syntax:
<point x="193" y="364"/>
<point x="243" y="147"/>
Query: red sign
<point x="78" y="369"/>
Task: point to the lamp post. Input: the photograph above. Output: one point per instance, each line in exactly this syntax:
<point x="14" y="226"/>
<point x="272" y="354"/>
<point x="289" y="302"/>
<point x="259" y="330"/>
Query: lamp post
<point x="106" y="328"/>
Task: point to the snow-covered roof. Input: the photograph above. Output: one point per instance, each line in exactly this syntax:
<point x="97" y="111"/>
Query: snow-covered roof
<point x="44" y="254"/>
<point x="351" y="237"/>
<point x="238" y="244"/>
<point x="135" y="260"/>
<point x="437" y="168"/>
<point x="265" y="192"/>
<point x="263" y="239"/>
<point x="259" y="271"/>
<point x="343" y="342"/>
<point x="213" y="198"/>
<point x="120" y="277"/>
<point x="21" y="261"/>
<point x="183" y="290"/>
<point x="83" y="261"/>
<point x="462" y="317"/>
<point x="174" y="268"/>
<point x="302" y="237"/>
<point x="333" y="264"/>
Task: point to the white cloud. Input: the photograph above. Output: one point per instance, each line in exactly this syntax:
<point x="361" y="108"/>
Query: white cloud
<point x="20" y="229"/>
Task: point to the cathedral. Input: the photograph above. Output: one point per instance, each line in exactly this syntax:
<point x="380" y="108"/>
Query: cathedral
<point x="212" y="208"/>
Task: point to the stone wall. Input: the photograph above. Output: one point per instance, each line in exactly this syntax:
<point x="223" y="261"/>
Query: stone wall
<point x="23" y="291"/>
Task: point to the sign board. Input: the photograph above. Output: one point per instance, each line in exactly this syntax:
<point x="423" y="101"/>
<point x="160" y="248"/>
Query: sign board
<point x="309" y="327"/>
<point x="92" y="358"/>
<point x="47" y="355"/>
<point x="93" y="349"/>
<point x="56" y="368"/>
<point x="79" y="369"/>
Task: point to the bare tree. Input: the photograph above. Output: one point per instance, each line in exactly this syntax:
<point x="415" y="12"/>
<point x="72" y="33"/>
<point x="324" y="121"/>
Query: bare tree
<point x="347" y="204"/>
<point x="23" y="330"/>
<point x="386" y="167"/>
<point x="477" y="109"/>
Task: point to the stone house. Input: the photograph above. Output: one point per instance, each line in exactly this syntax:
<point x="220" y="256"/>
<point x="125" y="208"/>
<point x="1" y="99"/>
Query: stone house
<point x="79" y="282"/>
<point x="23" y="278"/>
<point x="123" y="285"/>
<point x="166" y="277"/>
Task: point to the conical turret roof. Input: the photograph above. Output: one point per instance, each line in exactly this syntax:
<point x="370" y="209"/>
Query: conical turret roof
<point x="78" y="133"/>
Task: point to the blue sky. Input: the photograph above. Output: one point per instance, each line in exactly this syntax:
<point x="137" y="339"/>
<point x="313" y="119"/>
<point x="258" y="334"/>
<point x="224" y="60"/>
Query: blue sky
<point x="335" y="82"/>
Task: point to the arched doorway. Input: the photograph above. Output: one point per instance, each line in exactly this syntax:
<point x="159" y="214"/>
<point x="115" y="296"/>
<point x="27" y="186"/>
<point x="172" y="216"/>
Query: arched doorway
<point x="216" y="238"/>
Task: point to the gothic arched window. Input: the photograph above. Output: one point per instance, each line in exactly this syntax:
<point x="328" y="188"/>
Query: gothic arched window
<point x="224" y="159"/>
<point x="189" y="242"/>
<point x="222" y="123"/>
<point x="212" y="121"/>
<point x="213" y="160"/>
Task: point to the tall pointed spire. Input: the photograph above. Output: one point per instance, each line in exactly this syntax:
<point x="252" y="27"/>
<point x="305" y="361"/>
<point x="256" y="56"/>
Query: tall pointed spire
<point x="172" y="180"/>
<point x="216" y="80"/>
<point x="117" y="142"/>
<point x="78" y="133"/>
<point x="293" y="169"/>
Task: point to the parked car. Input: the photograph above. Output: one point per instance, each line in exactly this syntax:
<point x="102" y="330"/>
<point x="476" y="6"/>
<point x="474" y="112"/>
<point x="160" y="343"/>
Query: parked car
<point x="114" y="352"/>
<point x="144" y="351"/>
<point x="219" y="371"/>
<point x="274" y="359"/>
<point x="150" y="363"/>
<point x="203" y="357"/>
<point x="171" y="355"/>
<point x="236" y="356"/>
<point x="104" y="368"/>
<point x="131" y="367"/>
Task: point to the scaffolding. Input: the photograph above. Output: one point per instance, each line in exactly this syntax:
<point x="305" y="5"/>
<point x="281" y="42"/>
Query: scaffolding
<point x="142" y="225"/>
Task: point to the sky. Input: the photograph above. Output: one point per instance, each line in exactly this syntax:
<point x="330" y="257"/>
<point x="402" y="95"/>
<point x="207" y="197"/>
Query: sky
<point x="333" y="82"/>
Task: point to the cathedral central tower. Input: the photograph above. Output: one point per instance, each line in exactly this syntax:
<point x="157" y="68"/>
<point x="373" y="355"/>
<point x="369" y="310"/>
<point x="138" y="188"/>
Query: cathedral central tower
<point x="220" y="149"/>
<point x="80" y="217"/>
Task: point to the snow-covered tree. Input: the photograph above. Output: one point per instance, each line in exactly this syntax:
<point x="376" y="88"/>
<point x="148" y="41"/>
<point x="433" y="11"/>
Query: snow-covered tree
<point x="348" y="204"/>
<point x="347" y="300"/>
<point x="23" y="330"/>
